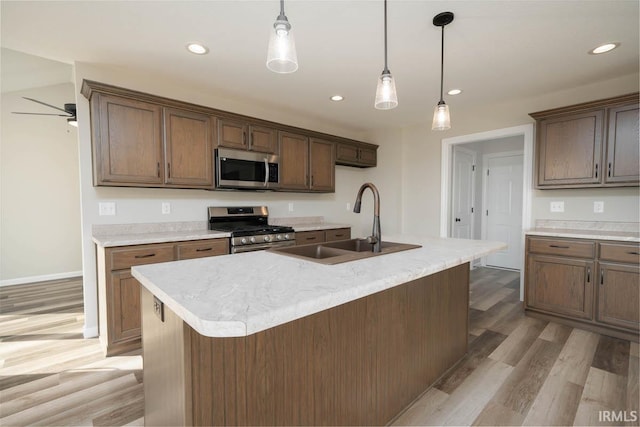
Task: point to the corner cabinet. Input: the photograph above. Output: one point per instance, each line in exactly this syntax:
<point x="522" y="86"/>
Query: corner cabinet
<point x="585" y="283"/>
<point x="119" y="291"/>
<point x="595" y="144"/>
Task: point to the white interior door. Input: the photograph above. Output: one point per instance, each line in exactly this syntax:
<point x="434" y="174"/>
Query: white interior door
<point x="503" y="208"/>
<point x="462" y="193"/>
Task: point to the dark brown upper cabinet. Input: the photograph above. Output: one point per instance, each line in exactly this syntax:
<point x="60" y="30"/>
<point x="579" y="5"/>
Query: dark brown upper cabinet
<point x="360" y="155"/>
<point x="188" y="148"/>
<point x="243" y="135"/>
<point x="595" y="144"/>
<point x="143" y="140"/>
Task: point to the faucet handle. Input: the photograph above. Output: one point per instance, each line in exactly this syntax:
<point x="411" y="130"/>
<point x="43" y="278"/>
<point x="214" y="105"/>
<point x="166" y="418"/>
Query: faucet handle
<point x="372" y="240"/>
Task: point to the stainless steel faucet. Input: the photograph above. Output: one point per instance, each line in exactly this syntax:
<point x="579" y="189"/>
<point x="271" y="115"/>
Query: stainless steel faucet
<point x="376" y="238"/>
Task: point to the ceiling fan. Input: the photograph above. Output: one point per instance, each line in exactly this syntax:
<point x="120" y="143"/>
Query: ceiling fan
<point x="69" y="110"/>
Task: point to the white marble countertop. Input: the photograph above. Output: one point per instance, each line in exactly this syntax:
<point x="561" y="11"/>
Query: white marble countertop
<point x="318" y="226"/>
<point x="241" y="294"/>
<point x="112" y="240"/>
<point x="623" y="236"/>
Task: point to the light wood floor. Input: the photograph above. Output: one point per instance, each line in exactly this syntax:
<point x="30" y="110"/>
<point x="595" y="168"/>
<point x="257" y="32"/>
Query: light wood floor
<point x="518" y="371"/>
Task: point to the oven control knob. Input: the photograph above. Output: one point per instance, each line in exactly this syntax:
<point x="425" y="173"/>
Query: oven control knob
<point x="243" y="241"/>
<point x="267" y="238"/>
<point x="252" y="240"/>
<point x="287" y="237"/>
<point x="279" y="237"/>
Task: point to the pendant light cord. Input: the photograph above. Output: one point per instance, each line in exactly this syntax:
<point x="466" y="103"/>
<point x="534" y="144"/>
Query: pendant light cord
<point x="442" y="68"/>
<point x="386" y="69"/>
<point x="282" y="15"/>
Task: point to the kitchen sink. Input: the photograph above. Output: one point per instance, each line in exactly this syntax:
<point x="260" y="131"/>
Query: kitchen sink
<point x="340" y="251"/>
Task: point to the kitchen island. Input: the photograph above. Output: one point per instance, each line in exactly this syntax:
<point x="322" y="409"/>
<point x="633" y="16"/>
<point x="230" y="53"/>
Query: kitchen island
<point x="264" y="339"/>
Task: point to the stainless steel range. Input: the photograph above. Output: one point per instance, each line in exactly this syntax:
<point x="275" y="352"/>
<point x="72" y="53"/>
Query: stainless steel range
<point x="249" y="228"/>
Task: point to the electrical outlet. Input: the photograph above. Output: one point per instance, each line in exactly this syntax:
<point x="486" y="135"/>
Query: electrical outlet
<point x="290" y="207"/>
<point x="348" y="206"/>
<point x="598" y="207"/>
<point x="166" y="208"/>
<point x="556" y="207"/>
<point x="107" y="208"/>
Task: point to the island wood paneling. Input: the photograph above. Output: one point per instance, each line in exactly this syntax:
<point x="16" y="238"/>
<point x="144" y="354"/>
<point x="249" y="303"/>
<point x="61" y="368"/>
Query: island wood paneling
<point x="359" y="363"/>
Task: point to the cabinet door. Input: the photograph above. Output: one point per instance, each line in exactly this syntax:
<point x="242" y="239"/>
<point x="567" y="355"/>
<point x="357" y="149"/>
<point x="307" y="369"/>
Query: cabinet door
<point x="188" y="148"/>
<point x="623" y="145"/>
<point x="368" y="156"/>
<point x="232" y="134"/>
<point x="125" y="307"/>
<point x="128" y="141"/>
<point x="294" y="162"/>
<point x="570" y="150"/>
<point x="323" y="165"/>
<point x="560" y="285"/>
<point x="619" y="295"/>
<point x="347" y="153"/>
<point x="263" y="139"/>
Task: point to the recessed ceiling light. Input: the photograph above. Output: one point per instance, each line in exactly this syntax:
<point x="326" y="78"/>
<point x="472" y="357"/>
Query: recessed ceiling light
<point x="337" y="98"/>
<point x="607" y="47"/>
<point x="197" y="48"/>
<point x="455" y="92"/>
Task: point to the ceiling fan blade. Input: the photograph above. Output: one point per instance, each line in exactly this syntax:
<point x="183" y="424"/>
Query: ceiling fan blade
<point x="44" y="114"/>
<point x="44" y="103"/>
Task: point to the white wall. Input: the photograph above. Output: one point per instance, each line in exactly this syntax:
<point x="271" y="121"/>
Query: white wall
<point x="137" y="205"/>
<point x="422" y="151"/>
<point x="40" y="197"/>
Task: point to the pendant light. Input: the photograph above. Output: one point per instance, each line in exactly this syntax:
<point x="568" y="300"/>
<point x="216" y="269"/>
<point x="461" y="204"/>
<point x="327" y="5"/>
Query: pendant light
<point x="281" y="55"/>
<point x="386" y="97"/>
<point x="441" y="118"/>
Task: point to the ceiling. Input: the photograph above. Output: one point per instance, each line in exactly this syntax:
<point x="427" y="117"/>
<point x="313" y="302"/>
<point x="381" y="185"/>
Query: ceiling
<point x="494" y="50"/>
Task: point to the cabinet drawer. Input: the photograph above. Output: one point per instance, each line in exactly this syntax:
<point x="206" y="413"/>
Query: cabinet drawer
<point x="562" y="247"/>
<point x="202" y="248"/>
<point x="307" y="237"/>
<point x="618" y="252"/>
<point x="337" y="234"/>
<point x="122" y="258"/>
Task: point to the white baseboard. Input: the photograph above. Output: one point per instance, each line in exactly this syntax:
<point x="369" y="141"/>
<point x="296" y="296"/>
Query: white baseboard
<point x="90" y="332"/>
<point x="43" y="278"/>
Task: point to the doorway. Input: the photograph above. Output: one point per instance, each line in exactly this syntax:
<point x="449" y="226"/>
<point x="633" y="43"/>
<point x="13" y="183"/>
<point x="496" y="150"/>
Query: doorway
<point x="525" y="135"/>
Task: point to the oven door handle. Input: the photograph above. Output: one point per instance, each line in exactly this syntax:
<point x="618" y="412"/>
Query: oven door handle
<point x="266" y="172"/>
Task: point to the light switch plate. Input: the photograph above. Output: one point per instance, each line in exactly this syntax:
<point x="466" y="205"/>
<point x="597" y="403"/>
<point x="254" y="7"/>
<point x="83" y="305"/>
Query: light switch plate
<point x="348" y="206"/>
<point x="166" y="208"/>
<point x="106" y="208"/>
<point x="556" y="207"/>
<point x="598" y="207"/>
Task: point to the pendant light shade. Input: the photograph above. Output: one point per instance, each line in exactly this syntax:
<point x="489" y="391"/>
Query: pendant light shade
<point x="281" y="55"/>
<point x="441" y="117"/>
<point x="386" y="96"/>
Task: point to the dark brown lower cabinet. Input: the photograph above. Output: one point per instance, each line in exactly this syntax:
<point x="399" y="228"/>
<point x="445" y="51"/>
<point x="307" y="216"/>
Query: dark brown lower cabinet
<point x="360" y="363"/>
<point x="584" y="283"/>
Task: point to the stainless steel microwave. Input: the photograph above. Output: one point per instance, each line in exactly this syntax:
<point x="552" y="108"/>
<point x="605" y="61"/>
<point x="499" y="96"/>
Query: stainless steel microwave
<point x="247" y="170"/>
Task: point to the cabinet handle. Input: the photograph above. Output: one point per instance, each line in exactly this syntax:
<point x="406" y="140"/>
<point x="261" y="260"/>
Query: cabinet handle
<point x="596" y="170"/>
<point x="145" y="256"/>
<point x="311" y="238"/>
<point x="589" y="275"/>
<point x="559" y="246"/>
<point x="609" y="171"/>
<point x="168" y="170"/>
<point x="312" y="180"/>
<point x="633" y="253"/>
<point x="339" y="235"/>
<point x="244" y="138"/>
<point x="158" y="169"/>
<point x="203" y="249"/>
<point x="602" y="277"/>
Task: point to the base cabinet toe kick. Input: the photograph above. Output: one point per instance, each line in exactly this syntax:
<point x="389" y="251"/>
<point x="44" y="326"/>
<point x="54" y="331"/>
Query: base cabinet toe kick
<point x="359" y="363"/>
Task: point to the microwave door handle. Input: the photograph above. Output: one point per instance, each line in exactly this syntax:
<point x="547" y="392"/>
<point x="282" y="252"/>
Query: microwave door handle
<point x="266" y="172"/>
